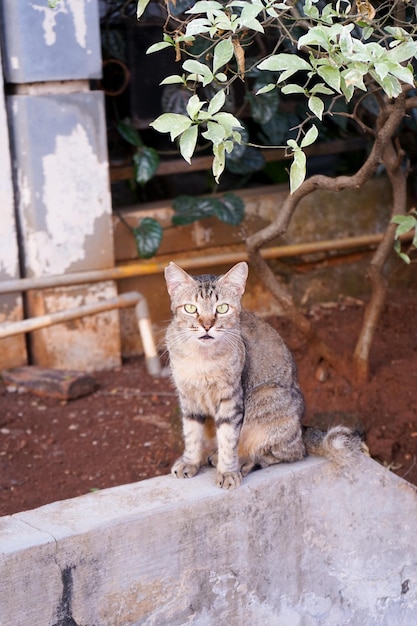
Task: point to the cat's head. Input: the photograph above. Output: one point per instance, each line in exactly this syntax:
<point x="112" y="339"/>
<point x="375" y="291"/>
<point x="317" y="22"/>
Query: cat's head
<point x="206" y="306"/>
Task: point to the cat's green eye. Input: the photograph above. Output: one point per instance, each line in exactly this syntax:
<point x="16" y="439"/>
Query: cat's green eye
<point x="190" y="308"/>
<point x="222" y="308"/>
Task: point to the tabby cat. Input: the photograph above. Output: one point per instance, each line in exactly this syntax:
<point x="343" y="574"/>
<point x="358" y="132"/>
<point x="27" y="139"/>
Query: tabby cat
<point x="237" y="383"/>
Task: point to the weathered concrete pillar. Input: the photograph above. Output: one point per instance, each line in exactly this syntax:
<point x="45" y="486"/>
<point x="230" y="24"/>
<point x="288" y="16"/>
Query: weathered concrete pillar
<point x="12" y="350"/>
<point x="58" y="137"/>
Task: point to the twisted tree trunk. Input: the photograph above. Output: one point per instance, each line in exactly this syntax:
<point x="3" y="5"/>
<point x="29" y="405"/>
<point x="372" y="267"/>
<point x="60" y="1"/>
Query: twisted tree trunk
<point x="389" y="120"/>
<point x="393" y="157"/>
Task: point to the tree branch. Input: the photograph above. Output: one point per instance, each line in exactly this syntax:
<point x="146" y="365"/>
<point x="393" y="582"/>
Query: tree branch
<point x="388" y="122"/>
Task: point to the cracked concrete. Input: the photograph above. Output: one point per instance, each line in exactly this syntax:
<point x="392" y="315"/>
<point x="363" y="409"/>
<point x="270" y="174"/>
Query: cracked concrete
<point x="295" y="545"/>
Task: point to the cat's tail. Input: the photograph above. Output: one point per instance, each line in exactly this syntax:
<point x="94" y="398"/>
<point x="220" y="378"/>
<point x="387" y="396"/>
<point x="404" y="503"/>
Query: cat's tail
<point x="339" y="444"/>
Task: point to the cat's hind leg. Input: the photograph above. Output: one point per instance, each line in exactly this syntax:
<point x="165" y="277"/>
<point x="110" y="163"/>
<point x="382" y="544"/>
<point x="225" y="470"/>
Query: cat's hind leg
<point x="263" y="444"/>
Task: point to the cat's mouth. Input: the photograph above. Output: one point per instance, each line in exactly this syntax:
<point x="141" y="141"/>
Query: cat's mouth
<point x="205" y="337"/>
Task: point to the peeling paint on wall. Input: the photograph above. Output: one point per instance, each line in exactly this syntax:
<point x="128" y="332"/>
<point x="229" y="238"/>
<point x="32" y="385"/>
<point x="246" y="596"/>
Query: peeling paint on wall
<point x="64" y="299"/>
<point x="75" y="8"/>
<point x="88" y="343"/>
<point x="8" y="243"/>
<point x="25" y="192"/>
<point x="11" y="308"/>
<point x="74" y="178"/>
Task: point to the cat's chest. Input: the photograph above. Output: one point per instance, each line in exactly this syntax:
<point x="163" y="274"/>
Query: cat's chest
<point x="201" y="375"/>
<point x="201" y="389"/>
<point x="196" y="371"/>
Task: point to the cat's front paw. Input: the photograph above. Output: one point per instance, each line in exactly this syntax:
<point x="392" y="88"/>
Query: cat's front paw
<point x="228" y="480"/>
<point x="181" y="469"/>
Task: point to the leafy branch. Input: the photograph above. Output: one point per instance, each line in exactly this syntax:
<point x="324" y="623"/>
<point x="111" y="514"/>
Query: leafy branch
<point x="339" y="54"/>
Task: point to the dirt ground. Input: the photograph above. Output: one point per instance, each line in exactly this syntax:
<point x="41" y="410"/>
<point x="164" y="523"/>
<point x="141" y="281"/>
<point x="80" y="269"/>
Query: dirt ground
<point x="129" y="429"/>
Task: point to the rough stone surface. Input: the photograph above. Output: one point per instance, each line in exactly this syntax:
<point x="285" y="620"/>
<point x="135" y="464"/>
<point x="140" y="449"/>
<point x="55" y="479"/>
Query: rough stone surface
<point x="295" y="544"/>
<point x="43" y="44"/>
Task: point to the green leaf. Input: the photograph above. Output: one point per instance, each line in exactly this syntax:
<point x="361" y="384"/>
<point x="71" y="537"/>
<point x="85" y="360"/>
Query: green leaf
<point x="367" y="32"/>
<point x="172" y="80"/>
<point x="405" y="224"/>
<point x="310" y="137"/>
<point x="173" y="123"/>
<point x="404" y="74"/>
<point x="404" y="52"/>
<point x="316" y="36"/>
<point x="252" y="24"/>
<point x="250" y="12"/>
<point x="347" y="89"/>
<point x="223" y="52"/>
<point x="216" y="102"/>
<point x="265" y="89"/>
<point x="283" y="61"/>
<point x="228" y="121"/>
<point x="346" y="43"/>
<point x="353" y="76"/>
<point x="331" y="75"/>
<point x="219" y="160"/>
<point x="382" y="68"/>
<point x="160" y="45"/>
<point x="297" y="170"/>
<point x="148" y="236"/>
<point x="316" y="105"/>
<point x="145" y="164"/>
<point x="221" y="77"/>
<point x="403" y="256"/>
<point x="230" y="209"/>
<point x="198" y="26"/>
<point x="214" y="133"/>
<point x="321" y="88"/>
<point x="205" y="6"/>
<point x="390" y="85"/>
<point x="142" y="4"/>
<point x="292" y="88"/>
<point x="189" y="209"/>
<point x="129" y="132"/>
<point x="239" y="147"/>
<point x="199" y="69"/>
<point x="188" y="142"/>
<point x="194" y="105"/>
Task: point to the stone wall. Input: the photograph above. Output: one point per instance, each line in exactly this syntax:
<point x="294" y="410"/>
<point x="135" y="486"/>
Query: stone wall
<point x="295" y="545"/>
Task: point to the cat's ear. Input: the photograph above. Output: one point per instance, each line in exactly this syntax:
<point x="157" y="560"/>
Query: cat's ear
<point x="236" y="278"/>
<point x="175" y="277"/>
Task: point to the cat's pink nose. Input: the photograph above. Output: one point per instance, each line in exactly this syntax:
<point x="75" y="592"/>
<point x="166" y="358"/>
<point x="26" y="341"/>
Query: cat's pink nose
<point x="207" y="326"/>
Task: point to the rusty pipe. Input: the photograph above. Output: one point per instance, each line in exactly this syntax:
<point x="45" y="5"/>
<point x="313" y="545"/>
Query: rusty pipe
<point x="125" y="300"/>
<point x="155" y="266"/>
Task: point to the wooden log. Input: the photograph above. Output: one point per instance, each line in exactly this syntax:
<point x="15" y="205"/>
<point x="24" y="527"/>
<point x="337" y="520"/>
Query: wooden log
<point x="61" y="384"/>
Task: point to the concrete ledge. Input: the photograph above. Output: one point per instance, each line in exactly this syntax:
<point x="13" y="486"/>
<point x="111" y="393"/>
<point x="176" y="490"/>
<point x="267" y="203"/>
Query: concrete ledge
<point x="294" y="545"/>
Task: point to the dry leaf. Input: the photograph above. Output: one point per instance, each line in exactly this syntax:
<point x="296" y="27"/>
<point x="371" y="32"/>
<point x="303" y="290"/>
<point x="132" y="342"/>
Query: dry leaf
<point x="365" y="9"/>
<point x="240" y="57"/>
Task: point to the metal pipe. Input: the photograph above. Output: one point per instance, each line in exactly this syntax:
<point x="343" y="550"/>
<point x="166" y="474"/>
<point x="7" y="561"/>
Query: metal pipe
<point x="125" y="300"/>
<point x="153" y="266"/>
<point x="153" y="363"/>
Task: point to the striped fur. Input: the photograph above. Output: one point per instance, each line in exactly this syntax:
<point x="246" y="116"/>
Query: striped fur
<point x="234" y="369"/>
